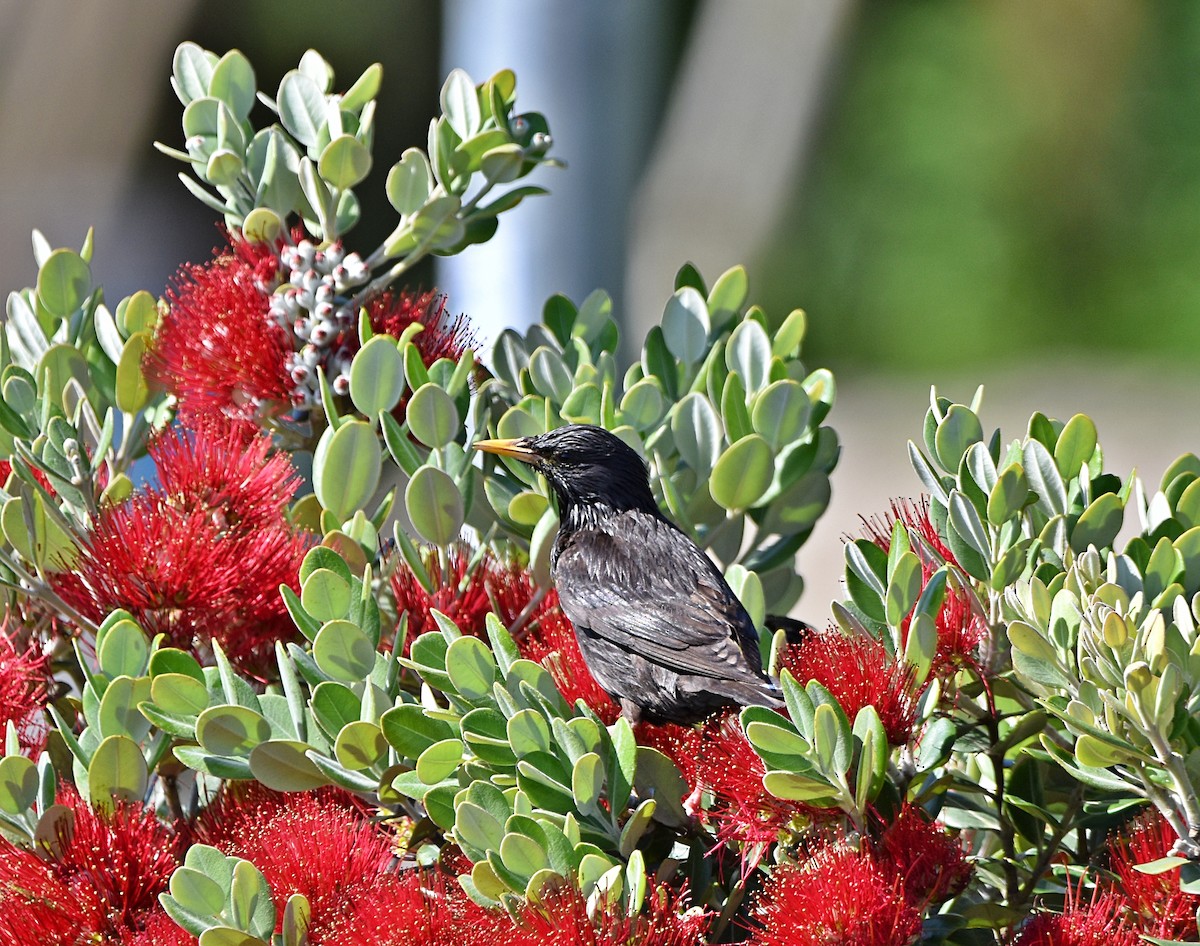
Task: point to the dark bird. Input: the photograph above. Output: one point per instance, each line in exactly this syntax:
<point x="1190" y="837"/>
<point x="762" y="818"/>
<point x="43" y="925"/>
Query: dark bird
<point x="659" y="628"/>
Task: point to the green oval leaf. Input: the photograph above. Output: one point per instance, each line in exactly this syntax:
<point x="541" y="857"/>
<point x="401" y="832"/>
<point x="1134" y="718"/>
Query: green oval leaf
<point x="377" y="376"/>
<point x="233" y="83"/>
<point x="18" y="784"/>
<point x="359" y="745"/>
<point x="728" y="296"/>
<point x="344" y="162"/>
<point x="409" y="182"/>
<point x="697" y="432"/>
<point x="643" y="404"/>
<point x="231" y="730"/>
<point x="685" y="325"/>
<point x="178" y="693"/>
<point x="743" y="473"/>
<point x="781" y="412"/>
<point x="123" y="650"/>
<point x="432" y="416"/>
<point x="343" y="651"/>
<point x="471" y="667"/>
<point x="325" y="595"/>
<point x="119" y="714"/>
<point x="1075" y="446"/>
<point x="1099" y="524"/>
<point x="439" y="761"/>
<point x="957" y="431"/>
<point x="63" y="283"/>
<point x="434" y="505"/>
<point x="117" y="770"/>
<point x="748" y="352"/>
<point x="346" y="467"/>
<point x="281" y="765"/>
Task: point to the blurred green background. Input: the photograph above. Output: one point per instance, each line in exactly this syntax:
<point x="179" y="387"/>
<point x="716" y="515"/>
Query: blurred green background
<point x="994" y="178"/>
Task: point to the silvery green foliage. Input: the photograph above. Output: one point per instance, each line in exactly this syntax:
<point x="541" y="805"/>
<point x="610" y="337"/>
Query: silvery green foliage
<point x="309" y="162"/>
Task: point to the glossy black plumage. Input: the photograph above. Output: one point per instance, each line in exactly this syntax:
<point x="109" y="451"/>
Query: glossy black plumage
<point x="659" y="627"/>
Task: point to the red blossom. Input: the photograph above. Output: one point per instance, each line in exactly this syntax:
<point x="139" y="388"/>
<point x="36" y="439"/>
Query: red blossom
<point x="932" y="866"/>
<point x="858" y="672"/>
<point x="37" y="906"/>
<point x="914" y="515"/>
<point x="1162" y="908"/>
<point x="102" y="878"/>
<point x="314" y="843"/>
<point x="441" y="336"/>
<point x="199" y="557"/>
<point x="960" y="628"/>
<point x="839" y="897"/>
<point x="159" y="930"/>
<point x="419" y="908"/>
<point x="464" y="591"/>
<point x="1100" y="922"/>
<point x="562" y="920"/>
<point x="23" y="674"/>
<point x="125" y="857"/>
<point x="216" y="348"/>
<point x="743" y="811"/>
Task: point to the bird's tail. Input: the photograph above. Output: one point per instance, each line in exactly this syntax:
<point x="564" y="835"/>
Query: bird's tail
<point x="766" y="694"/>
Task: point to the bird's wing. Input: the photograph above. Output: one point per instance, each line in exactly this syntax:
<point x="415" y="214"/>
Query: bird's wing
<point x="641" y="584"/>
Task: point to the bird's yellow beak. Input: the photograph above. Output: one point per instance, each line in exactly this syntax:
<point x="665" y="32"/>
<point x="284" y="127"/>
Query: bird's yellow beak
<point x="506" y="448"/>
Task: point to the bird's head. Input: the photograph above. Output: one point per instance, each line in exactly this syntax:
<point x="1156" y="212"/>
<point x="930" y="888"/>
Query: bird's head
<point x="586" y="466"/>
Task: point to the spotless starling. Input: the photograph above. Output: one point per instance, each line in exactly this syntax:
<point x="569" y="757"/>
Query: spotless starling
<point x="660" y="629"/>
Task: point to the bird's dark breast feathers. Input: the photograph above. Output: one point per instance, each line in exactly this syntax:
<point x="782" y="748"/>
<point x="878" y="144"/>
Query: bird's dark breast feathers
<point x="656" y="622"/>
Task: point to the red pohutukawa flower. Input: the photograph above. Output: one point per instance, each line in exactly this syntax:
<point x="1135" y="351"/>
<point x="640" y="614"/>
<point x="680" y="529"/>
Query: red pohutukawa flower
<point x="314" y="843"/>
<point x="562" y="920"/>
<point x="37" y="906"/>
<point x="419" y="908"/>
<point x="467" y="593"/>
<point x="743" y="810"/>
<point x="932" y="866"/>
<point x="1162" y="908"/>
<point x="217" y="347"/>
<point x="200" y="556"/>
<point x="441" y="336"/>
<point x="159" y="930"/>
<point x="463" y="591"/>
<point x="960" y="629"/>
<point x="101" y="880"/>
<point x="838" y="897"/>
<point x="1100" y="922"/>
<point x="857" y="671"/>
<point x="22" y="687"/>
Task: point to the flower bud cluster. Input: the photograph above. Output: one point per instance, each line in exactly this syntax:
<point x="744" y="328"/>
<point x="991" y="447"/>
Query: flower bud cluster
<point x="313" y="304"/>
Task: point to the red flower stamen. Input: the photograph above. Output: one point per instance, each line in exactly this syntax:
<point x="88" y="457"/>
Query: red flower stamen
<point x="858" y="672"/>
<point x="1162" y="908"/>
<point x="201" y="556"/>
<point x="839" y="897"/>
<point x="1099" y="922"/>
<point x="932" y="866"/>
<point x="960" y="628"/>
<point x="23" y="675"/>
<point x="216" y="348"/>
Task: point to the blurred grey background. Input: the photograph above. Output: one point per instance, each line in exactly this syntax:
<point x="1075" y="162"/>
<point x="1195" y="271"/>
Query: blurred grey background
<point x="1005" y="192"/>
